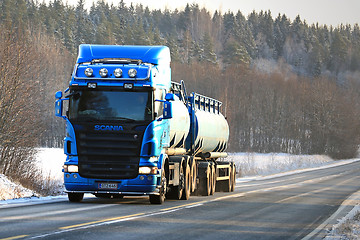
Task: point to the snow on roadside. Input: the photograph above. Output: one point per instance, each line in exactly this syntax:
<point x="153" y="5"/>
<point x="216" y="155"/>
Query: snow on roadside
<point x="348" y="227"/>
<point x="10" y="190"/>
<point x="262" y="164"/>
<point x="49" y="161"/>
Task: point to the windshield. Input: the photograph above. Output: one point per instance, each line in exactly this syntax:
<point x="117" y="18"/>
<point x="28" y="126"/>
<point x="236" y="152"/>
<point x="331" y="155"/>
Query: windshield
<point x="110" y="105"/>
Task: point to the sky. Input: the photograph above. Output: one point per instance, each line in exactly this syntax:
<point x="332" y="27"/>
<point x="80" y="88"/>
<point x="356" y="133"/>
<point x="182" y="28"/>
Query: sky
<point x="330" y="12"/>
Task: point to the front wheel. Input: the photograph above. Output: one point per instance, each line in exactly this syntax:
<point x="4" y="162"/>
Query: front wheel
<point x="75" y="197"/>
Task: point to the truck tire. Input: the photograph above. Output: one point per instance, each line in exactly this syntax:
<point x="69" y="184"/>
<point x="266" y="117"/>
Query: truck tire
<point x="187" y="183"/>
<point x="75" y="197"/>
<point x="227" y="182"/>
<point x="193" y="174"/>
<point x="213" y="179"/>
<point x="233" y="177"/>
<point x="204" y="187"/>
<point x="160" y="199"/>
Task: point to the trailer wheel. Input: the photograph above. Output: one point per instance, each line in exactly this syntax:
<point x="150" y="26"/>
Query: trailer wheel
<point x="213" y="179"/>
<point x="204" y="179"/>
<point x="187" y="184"/>
<point x="160" y="199"/>
<point x="193" y="175"/>
<point x="75" y="197"/>
<point x="233" y="177"/>
<point x="227" y="183"/>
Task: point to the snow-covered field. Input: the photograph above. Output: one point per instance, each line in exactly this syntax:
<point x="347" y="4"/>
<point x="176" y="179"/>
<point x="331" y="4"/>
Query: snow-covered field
<point x="250" y="166"/>
<point x="50" y="162"/>
<point x="261" y="164"/>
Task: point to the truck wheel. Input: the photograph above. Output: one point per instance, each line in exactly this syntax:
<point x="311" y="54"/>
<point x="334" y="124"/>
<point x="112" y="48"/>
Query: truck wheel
<point x="160" y="199"/>
<point x="213" y="179"/>
<point x="233" y="177"/>
<point x="193" y="175"/>
<point x="204" y="179"/>
<point x="227" y="183"/>
<point x="75" y="197"/>
<point x="187" y="184"/>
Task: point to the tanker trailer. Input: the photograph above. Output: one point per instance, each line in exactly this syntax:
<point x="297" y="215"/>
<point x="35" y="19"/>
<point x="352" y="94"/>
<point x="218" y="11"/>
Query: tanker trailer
<point x="202" y="148"/>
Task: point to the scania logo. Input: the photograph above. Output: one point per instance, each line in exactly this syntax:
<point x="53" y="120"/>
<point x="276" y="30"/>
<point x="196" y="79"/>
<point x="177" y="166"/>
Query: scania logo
<point x="108" y="128"/>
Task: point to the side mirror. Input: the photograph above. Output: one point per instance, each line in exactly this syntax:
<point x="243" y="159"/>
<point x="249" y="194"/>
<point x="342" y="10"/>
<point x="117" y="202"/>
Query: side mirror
<point x="58" y="95"/>
<point x="167" y="110"/>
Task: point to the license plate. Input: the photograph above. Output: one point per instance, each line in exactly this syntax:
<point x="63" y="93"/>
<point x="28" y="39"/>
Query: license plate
<point x="108" y="185"/>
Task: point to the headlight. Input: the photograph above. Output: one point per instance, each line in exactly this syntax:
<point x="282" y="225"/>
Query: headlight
<point x="89" y="72"/>
<point x="103" y="72"/>
<point x="132" y="72"/>
<point x="118" y="72"/>
<point x="148" y="170"/>
<point x="71" y="168"/>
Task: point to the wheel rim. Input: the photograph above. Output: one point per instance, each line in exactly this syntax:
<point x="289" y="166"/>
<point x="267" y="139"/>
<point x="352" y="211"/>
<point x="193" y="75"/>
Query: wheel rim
<point x="209" y="182"/>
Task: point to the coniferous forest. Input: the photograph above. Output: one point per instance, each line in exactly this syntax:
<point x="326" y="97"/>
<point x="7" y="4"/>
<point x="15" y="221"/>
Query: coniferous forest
<point x="286" y="85"/>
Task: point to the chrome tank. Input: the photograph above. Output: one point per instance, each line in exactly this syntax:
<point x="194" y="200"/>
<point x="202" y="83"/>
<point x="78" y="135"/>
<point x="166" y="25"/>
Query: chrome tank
<point x="211" y="132"/>
<point x="179" y="124"/>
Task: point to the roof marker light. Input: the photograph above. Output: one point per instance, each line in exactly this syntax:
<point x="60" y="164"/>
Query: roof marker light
<point x="103" y="72"/>
<point x="118" y="72"/>
<point x="132" y="72"/>
<point x="89" y="72"/>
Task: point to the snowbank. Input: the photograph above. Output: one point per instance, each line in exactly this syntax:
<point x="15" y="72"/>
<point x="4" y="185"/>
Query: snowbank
<point x="348" y="227"/>
<point x="255" y="164"/>
<point x="10" y="190"/>
<point x="49" y="162"/>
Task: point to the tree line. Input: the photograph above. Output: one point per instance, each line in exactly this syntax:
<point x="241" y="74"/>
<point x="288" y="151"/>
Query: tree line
<point x="194" y="34"/>
<point x="286" y="86"/>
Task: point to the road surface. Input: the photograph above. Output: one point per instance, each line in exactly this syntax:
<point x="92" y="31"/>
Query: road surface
<point x="287" y="207"/>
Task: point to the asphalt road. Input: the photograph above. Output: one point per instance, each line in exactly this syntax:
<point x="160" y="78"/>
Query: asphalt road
<point x="288" y="207"/>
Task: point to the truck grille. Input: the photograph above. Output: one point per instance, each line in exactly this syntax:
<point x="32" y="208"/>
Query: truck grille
<point x="109" y="155"/>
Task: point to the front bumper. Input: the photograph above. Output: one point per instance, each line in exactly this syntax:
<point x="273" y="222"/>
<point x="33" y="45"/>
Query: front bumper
<point x="139" y="186"/>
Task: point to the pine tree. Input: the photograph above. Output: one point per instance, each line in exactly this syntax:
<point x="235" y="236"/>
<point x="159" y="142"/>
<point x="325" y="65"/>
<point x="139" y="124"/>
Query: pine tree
<point x="338" y="52"/>
<point x="209" y="54"/>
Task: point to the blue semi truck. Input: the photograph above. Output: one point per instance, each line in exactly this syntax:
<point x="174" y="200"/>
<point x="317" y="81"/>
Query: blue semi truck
<point x="130" y="130"/>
